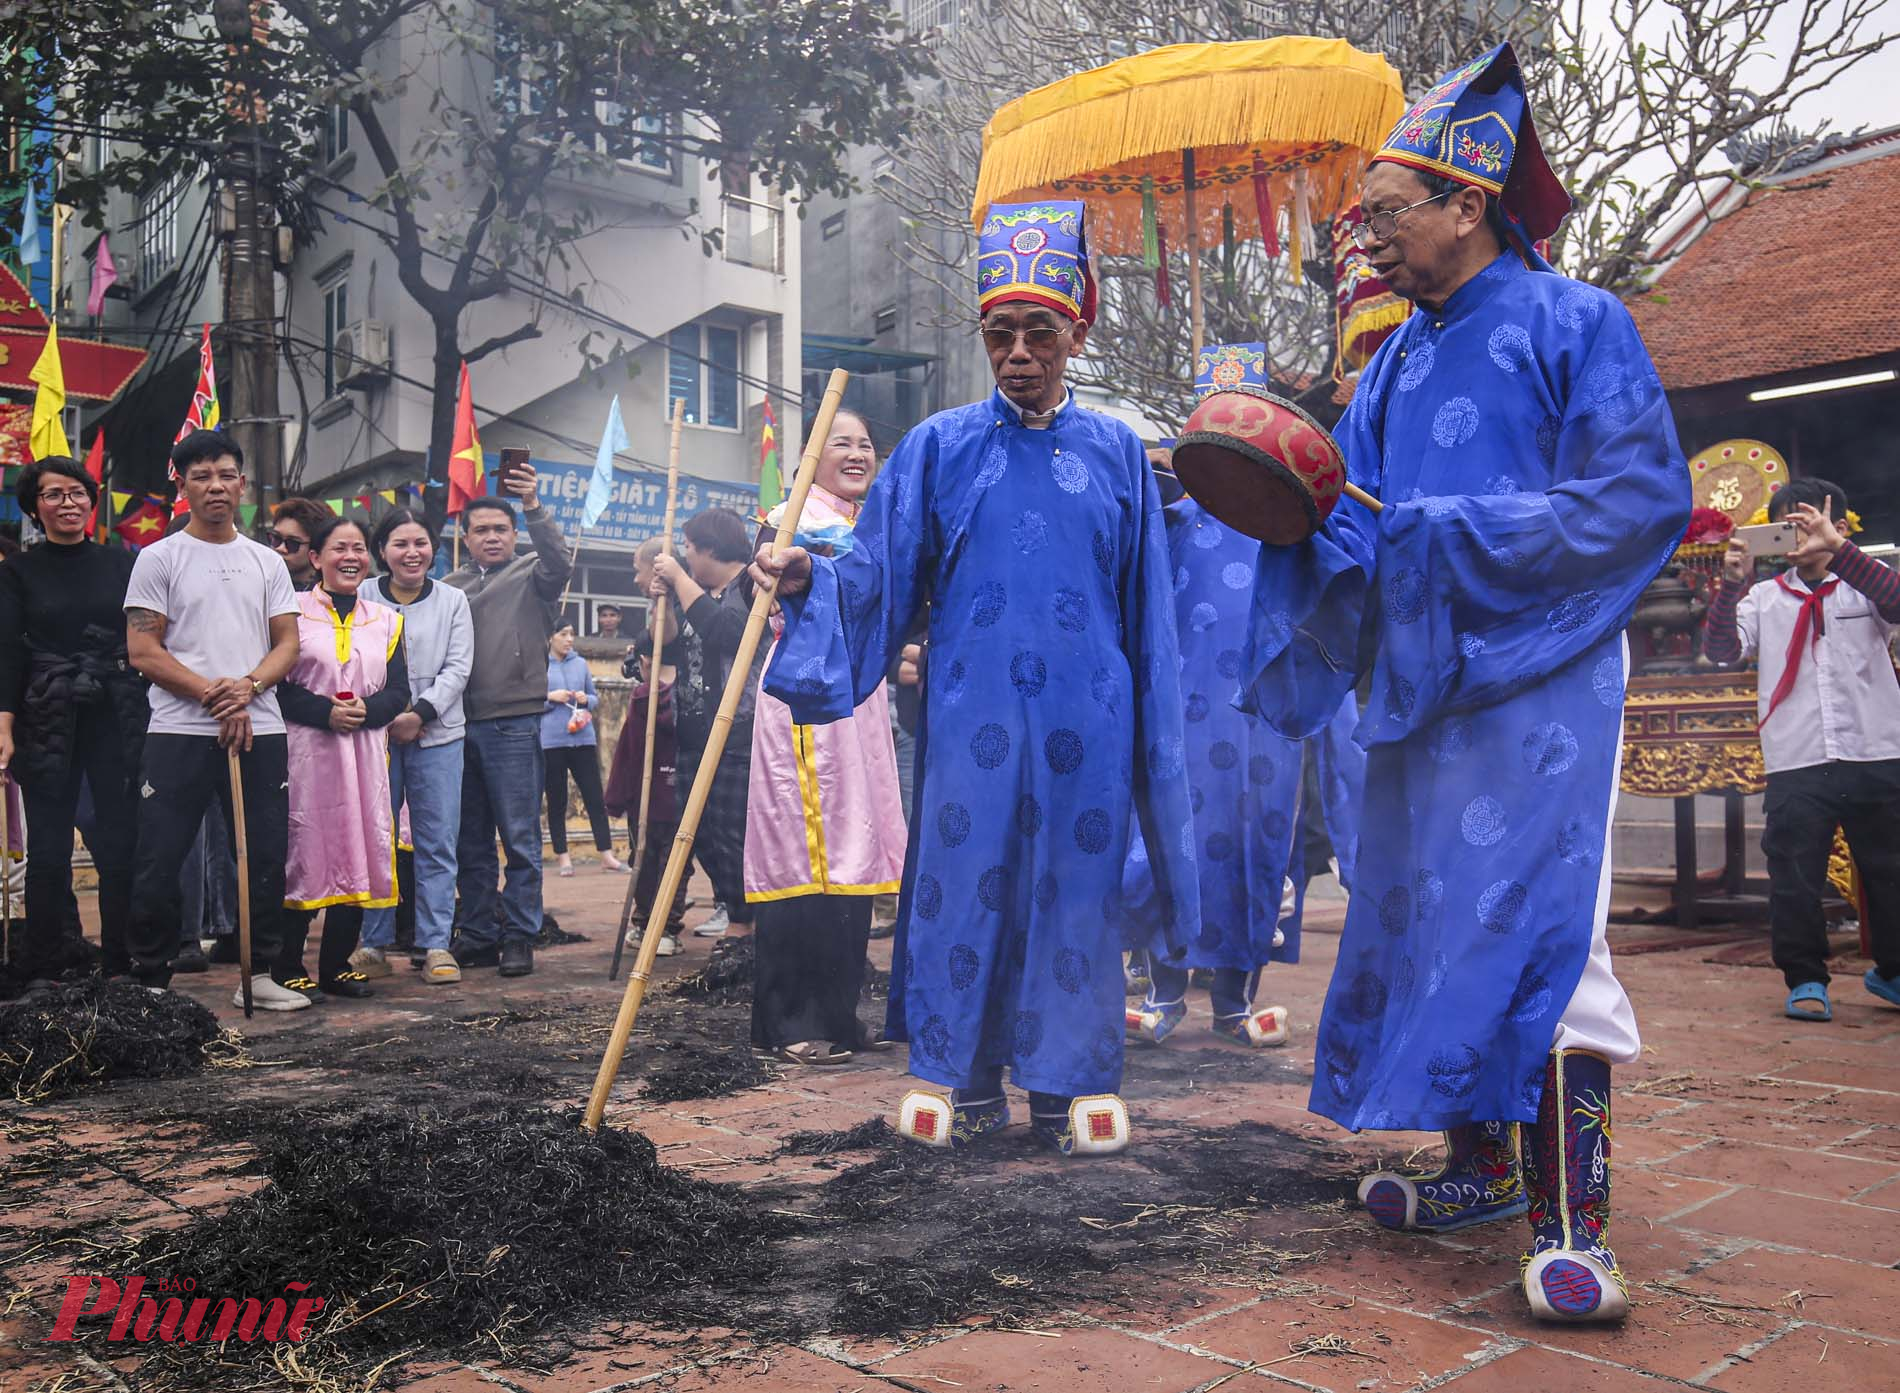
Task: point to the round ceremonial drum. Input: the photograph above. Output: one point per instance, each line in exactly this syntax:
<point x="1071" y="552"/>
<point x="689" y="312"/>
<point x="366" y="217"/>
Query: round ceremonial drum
<point x="1260" y="465"/>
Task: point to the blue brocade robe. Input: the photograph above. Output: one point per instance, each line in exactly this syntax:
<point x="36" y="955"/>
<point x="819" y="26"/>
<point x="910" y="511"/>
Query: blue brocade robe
<point x="1243" y="776"/>
<point x="1051" y="708"/>
<point x="1533" y="485"/>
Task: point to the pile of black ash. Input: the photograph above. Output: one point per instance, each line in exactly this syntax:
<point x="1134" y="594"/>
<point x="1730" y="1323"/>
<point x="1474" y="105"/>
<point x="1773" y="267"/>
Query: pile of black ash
<point x="70" y="1037"/>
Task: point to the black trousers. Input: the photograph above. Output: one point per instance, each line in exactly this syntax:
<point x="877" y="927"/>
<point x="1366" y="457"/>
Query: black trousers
<point x="809" y="969"/>
<point x="583" y="762"/>
<point x="99" y="761"/>
<point x="651" y="871"/>
<point x="1800" y="812"/>
<point x="179" y="777"/>
<point x="719" y="844"/>
<point x="342" y="929"/>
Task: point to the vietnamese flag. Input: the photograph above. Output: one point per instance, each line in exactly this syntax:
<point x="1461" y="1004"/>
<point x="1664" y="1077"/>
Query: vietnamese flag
<point x="771" y="490"/>
<point x="143" y="525"/>
<point x="96" y="471"/>
<point x="467" y="474"/>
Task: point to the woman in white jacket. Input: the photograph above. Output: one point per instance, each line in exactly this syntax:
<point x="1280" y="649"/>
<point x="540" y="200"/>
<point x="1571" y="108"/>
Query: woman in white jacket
<point x="425" y="742"/>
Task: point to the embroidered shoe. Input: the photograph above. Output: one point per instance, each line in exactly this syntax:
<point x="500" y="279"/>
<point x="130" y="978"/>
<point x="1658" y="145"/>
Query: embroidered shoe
<point x="301" y="983"/>
<point x="1480" y="1181"/>
<point x="1267" y="1026"/>
<point x="1155" y="1021"/>
<point x="1570" y="1272"/>
<point x="1095" y="1124"/>
<point x="930" y="1119"/>
<point x="1135" y="978"/>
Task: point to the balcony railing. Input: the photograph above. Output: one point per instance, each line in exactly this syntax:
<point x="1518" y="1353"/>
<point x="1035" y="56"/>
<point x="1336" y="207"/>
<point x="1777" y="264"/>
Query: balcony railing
<point x="754" y="233"/>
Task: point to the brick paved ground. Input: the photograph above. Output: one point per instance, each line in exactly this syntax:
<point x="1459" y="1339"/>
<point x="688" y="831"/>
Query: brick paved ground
<point x="1757" y="1209"/>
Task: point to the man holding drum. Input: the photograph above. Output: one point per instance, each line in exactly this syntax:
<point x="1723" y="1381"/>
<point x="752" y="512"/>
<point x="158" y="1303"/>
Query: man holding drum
<point x="1032" y="529"/>
<point x="1515" y="434"/>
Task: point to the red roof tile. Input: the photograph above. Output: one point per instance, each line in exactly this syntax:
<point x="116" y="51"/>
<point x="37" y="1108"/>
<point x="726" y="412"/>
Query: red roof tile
<point x="1783" y="284"/>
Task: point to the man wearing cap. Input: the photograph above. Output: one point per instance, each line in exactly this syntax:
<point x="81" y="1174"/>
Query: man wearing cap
<point x="1517" y="434"/>
<point x="1243" y="776"/>
<point x="1031" y="528"/>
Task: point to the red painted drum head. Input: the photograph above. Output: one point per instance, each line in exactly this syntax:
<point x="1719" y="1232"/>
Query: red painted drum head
<point x="1261" y="465"/>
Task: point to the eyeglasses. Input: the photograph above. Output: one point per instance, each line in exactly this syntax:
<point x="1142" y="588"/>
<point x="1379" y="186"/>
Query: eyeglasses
<point x="1382" y="227"/>
<point x="79" y="496"/>
<point x="1038" y="338"/>
<point x="293" y="545"/>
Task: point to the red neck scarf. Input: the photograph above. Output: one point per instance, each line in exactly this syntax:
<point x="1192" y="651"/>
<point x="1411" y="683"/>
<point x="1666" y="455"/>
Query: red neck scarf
<point x="1800" y="640"/>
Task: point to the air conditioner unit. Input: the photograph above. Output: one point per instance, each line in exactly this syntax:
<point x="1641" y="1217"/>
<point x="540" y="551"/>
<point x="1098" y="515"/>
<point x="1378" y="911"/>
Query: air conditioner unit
<point x="362" y="354"/>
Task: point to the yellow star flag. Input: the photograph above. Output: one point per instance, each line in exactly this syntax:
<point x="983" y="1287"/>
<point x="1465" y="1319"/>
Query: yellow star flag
<point x="48" y="436"/>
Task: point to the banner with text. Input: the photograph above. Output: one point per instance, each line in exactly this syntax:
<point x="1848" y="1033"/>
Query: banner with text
<point x="637" y="509"/>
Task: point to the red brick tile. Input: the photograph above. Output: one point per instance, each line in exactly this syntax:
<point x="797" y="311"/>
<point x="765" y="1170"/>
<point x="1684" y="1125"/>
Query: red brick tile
<point x="445" y="1379"/>
<point x="1874" y="1073"/>
<point x="1869" y="1143"/>
<point x="1885" y="1196"/>
<point x="1810" y="1358"/>
<point x="1403" y="1349"/>
<point x="1820" y="1226"/>
<point x="1647" y="1146"/>
<point x="1765" y="1122"/>
<point x="1085" y="1361"/>
<point x="1665" y="1334"/>
<point x="1154" y="1304"/>
<point x="1854" y="1106"/>
<point x="1638" y="1193"/>
<point x="1778" y="1168"/>
<point x="1536" y="1370"/>
<point x="635" y="1353"/>
<point x="768" y="1369"/>
<point x="1417" y="1272"/>
<point x="1828" y="1291"/>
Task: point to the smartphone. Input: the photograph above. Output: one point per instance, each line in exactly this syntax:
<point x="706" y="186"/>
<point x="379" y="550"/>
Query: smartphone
<point x="514" y="459"/>
<point x="1769" y="538"/>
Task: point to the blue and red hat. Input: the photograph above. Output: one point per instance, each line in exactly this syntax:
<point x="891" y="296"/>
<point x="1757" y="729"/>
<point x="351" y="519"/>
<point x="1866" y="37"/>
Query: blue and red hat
<point x="1229" y="367"/>
<point x="1037" y="252"/>
<point x="1475" y="126"/>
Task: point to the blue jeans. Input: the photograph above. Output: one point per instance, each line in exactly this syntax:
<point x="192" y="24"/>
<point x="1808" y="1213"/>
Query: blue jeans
<point x="431" y="779"/>
<point x="501" y="794"/>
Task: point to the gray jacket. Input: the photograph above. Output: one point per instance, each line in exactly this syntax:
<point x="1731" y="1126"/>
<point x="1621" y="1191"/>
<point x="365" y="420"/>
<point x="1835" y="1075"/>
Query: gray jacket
<point x="439" y="641"/>
<point x="515" y="607"/>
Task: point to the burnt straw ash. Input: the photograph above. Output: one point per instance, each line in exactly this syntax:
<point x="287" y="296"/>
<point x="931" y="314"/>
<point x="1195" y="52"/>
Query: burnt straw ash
<point x="77" y="1036"/>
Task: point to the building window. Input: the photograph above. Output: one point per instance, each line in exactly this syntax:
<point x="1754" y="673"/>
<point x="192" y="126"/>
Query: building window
<point x="158" y="232"/>
<point x="336" y="318"/>
<point x="887" y="319"/>
<point x="643" y="142"/>
<point x="920" y="15"/>
<point x="831" y="226"/>
<point x="882" y="168"/>
<point x="702" y="370"/>
<point x="336" y="132"/>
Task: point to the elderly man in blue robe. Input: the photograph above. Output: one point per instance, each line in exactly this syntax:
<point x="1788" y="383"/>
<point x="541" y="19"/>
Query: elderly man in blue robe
<point x="1516" y="433"/>
<point x="1031" y="528"/>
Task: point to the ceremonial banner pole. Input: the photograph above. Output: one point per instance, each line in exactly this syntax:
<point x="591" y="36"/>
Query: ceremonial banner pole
<point x="1196" y="316"/>
<point x="709" y="762"/>
<point x="243" y="878"/>
<point x="656" y="626"/>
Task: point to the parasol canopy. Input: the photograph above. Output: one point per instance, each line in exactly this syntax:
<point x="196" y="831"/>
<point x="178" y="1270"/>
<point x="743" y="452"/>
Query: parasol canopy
<point x="1259" y="106"/>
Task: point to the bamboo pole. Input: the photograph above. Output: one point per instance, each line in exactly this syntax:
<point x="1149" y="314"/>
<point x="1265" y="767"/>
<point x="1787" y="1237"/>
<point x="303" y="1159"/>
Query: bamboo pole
<point x="656" y="626"/>
<point x="6" y="867"/>
<point x="709" y="762"/>
<point x="1196" y="315"/>
<point x="243" y="877"/>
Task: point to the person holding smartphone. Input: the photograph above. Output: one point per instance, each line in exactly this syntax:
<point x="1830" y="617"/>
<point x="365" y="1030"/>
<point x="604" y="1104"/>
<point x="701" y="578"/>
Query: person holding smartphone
<point x="515" y="603"/>
<point x="1829" y="714"/>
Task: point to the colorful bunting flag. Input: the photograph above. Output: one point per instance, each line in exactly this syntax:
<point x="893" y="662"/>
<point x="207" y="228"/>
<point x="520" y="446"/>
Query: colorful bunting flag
<point x="144" y="525"/>
<point x="771" y="486"/>
<point x="467" y="473"/>
<point x="48" y="436"/>
<point x="247" y="515"/>
<point x="203" y="414"/>
<point x="600" y="488"/>
<point x="119" y="502"/>
<point x="104" y="276"/>
<point x="30" y="225"/>
<point x="96" y="471"/>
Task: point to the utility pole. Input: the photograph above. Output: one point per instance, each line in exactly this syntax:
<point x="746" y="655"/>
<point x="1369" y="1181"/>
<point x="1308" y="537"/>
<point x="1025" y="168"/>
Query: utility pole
<point x="248" y="225"/>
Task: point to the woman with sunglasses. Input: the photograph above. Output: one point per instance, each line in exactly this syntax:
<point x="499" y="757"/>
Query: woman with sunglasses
<point x="71" y="712"/>
<point x="293" y="524"/>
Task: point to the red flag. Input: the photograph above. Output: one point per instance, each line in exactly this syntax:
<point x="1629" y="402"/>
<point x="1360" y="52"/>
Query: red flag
<point x="203" y="414"/>
<point x="96" y="471"/>
<point x="143" y="525"/>
<point x="1263" y="207"/>
<point x="467" y="474"/>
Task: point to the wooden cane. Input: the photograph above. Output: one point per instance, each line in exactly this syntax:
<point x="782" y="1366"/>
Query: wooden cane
<point x="243" y="877"/>
<point x="657" y="627"/>
<point x="709" y="762"/>
<point x="6" y="867"/>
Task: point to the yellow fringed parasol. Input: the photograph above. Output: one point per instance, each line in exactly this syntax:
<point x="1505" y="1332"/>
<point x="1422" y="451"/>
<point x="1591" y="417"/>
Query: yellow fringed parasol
<point x="1181" y="123"/>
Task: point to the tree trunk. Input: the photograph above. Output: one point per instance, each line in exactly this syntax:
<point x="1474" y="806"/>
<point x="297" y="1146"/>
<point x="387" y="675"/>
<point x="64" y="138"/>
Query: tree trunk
<point x="448" y="373"/>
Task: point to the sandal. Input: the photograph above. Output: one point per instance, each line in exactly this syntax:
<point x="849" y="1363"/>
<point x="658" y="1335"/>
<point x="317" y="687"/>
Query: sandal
<point x="817" y="1052"/>
<point x="1815" y="992"/>
<point x="1886" y="988"/>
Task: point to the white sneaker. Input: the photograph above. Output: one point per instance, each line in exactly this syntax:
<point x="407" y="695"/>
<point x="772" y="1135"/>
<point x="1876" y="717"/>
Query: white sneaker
<point x="266" y="995"/>
<point x="371" y="962"/>
<point x="440" y="967"/>
<point x="669" y="946"/>
<point x="716" y="926"/>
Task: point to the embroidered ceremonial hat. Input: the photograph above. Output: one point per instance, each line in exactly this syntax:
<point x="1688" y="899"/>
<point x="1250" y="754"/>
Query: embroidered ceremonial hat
<point x="1475" y="126"/>
<point x="1224" y="367"/>
<point x="1037" y="252"/>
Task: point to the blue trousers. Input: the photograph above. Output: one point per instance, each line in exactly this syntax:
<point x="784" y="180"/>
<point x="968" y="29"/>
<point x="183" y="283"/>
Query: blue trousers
<point x="1230" y="995"/>
<point x="501" y="797"/>
<point x="431" y="779"/>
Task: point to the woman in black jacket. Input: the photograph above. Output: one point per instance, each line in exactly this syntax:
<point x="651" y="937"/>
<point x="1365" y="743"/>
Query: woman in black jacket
<point x="71" y="710"/>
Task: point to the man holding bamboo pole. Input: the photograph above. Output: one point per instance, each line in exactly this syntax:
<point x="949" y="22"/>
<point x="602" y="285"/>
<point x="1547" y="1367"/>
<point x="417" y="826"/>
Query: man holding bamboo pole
<point x="1051" y="709"/>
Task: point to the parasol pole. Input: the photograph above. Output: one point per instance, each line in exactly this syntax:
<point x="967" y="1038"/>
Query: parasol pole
<point x="709" y="762"/>
<point x="656" y="626"/>
<point x="239" y="825"/>
<point x="1193" y="233"/>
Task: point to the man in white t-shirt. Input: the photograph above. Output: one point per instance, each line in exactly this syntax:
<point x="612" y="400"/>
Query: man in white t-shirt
<point x="211" y="620"/>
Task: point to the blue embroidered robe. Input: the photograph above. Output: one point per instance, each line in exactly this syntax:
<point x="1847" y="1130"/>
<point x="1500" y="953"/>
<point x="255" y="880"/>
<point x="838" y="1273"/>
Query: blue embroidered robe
<point x="1243" y="776"/>
<point x="1342" y="782"/>
<point x="1051" y="708"/>
<point x="1533" y="485"/>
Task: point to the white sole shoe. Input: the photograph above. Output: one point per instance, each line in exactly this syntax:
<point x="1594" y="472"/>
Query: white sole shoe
<point x="266" y="995"/>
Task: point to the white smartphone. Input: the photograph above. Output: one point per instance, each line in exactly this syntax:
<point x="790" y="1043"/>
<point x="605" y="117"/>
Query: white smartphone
<point x="1769" y="538"/>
